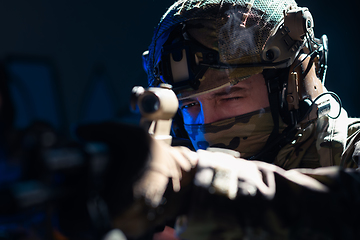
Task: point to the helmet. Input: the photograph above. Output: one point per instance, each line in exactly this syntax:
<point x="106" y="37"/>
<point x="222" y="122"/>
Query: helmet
<point x="247" y="37"/>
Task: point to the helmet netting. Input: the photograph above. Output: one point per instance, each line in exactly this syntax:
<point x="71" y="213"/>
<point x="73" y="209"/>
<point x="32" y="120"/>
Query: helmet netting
<point x="236" y="44"/>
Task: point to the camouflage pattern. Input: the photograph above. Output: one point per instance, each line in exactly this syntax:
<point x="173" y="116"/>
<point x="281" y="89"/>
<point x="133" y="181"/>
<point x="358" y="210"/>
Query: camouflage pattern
<point x="350" y="158"/>
<point x="206" y="32"/>
<point x="239" y="30"/>
<point x="326" y="142"/>
<point x="246" y="134"/>
<point x="298" y="210"/>
<point x="316" y="144"/>
<point x="306" y="203"/>
<point x="319" y="144"/>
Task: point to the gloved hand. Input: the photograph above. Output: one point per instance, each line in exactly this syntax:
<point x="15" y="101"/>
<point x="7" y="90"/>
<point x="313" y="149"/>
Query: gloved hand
<point x="165" y="163"/>
<point x="225" y="174"/>
<point x="220" y="173"/>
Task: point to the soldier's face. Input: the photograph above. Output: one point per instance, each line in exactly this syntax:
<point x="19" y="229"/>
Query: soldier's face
<point x="246" y="96"/>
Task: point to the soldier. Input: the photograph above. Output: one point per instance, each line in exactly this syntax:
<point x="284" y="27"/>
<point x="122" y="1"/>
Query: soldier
<point x="237" y="64"/>
<point x="249" y="76"/>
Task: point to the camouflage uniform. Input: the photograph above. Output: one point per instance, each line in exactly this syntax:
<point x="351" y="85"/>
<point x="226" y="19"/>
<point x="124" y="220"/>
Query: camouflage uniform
<point x="297" y="210"/>
<point x="317" y="144"/>
<point x="224" y="197"/>
<point x="269" y="202"/>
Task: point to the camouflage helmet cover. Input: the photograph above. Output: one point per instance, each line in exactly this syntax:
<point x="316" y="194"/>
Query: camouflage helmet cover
<point x="241" y="29"/>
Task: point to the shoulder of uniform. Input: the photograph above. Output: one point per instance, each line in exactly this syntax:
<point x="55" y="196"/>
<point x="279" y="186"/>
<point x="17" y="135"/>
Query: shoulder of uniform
<point x="353" y="126"/>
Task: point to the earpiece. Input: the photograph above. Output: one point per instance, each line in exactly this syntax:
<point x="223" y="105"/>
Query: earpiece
<point x="293" y="43"/>
<point x="289" y="37"/>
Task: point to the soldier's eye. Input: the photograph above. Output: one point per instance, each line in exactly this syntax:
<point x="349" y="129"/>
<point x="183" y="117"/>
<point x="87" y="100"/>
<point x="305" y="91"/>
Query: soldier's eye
<point x="189" y="105"/>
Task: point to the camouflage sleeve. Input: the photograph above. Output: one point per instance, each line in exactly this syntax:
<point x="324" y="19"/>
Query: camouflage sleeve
<point x="231" y="198"/>
<point x="297" y="204"/>
<point x="354" y="126"/>
<point x="351" y="155"/>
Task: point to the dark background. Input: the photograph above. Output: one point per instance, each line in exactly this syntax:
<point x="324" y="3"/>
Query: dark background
<point x="80" y="59"/>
